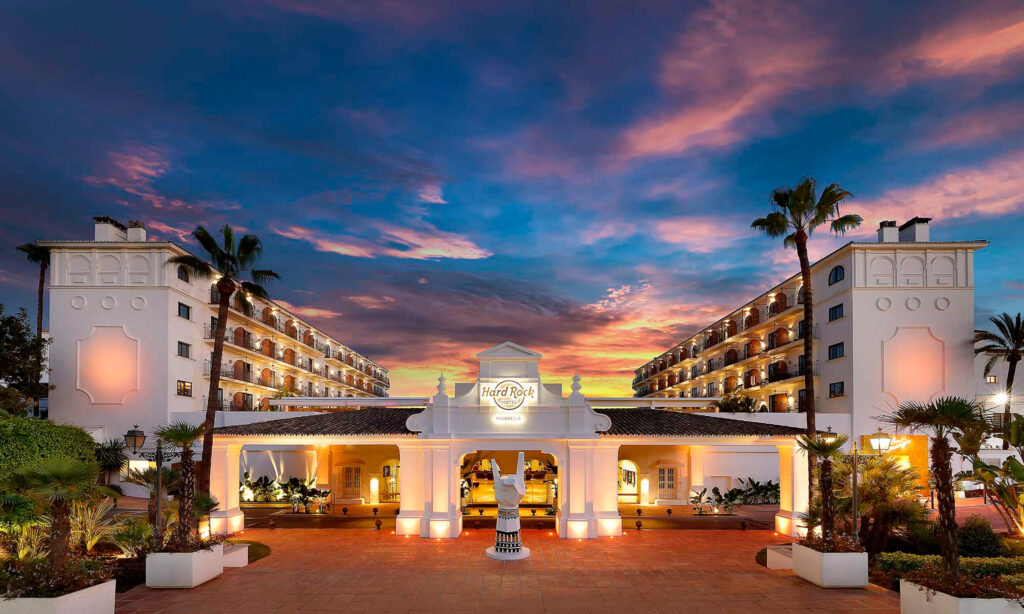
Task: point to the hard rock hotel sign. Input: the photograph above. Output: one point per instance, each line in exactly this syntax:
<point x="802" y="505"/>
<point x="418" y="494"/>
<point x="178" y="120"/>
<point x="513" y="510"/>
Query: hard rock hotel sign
<point x="508" y="396"/>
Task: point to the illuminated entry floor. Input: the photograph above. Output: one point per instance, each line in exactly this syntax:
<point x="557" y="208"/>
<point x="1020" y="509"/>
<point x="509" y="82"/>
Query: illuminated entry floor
<point x="366" y="571"/>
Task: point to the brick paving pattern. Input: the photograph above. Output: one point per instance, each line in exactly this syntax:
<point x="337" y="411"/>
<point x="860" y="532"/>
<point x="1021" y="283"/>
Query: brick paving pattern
<point x="326" y="571"/>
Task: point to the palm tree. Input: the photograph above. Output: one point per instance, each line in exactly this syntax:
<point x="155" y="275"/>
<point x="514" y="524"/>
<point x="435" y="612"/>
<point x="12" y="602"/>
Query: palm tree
<point x="59" y="482"/>
<point x="183" y="435"/>
<point x="231" y="263"/>
<point x="1005" y="344"/>
<point x="825" y="448"/>
<point x="887" y="492"/>
<point x="942" y="418"/>
<point x="111" y="457"/>
<point x="800" y="214"/>
<point x="147" y="479"/>
<point x="41" y="256"/>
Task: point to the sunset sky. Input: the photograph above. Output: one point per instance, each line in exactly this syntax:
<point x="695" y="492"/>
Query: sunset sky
<point x="433" y="178"/>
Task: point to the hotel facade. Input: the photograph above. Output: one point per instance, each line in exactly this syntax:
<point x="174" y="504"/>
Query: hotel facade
<point x="132" y="338"/>
<point x="893" y="322"/>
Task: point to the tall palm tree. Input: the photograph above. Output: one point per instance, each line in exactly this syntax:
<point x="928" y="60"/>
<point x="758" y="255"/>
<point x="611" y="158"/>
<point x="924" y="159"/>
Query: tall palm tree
<point x="231" y="262"/>
<point x="1007" y="343"/>
<point x="800" y="213"/>
<point x="825" y="448"/>
<point x="111" y="457"/>
<point x="183" y="435"/>
<point x="41" y="256"/>
<point x="59" y="482"/>
<point x="941" y="418"/>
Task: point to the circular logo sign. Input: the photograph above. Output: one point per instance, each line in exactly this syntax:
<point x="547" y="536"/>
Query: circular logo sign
<point x="508" y="394"/>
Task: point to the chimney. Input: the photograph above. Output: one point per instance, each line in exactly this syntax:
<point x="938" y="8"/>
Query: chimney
<point x="109" y="229"/>
<point x="915" y="230"/>
<point x="136" y="231"/>
<point x="887" y="232"/>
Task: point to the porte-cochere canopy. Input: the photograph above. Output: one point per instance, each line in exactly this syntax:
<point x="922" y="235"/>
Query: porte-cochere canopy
<point x="509" y="408"/>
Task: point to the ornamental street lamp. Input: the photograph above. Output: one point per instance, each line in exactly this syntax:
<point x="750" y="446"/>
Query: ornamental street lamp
<point x="828" y="436"/>
<point x="880" y="441"/>
<point x="134" y="439"/>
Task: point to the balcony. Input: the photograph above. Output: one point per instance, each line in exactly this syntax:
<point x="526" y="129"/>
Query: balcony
<point x="781" y="371"/>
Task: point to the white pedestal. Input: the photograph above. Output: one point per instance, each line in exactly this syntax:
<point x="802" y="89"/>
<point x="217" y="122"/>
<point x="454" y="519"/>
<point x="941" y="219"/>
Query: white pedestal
<point x="97" y="599"/>
<point x="524" y="553"/>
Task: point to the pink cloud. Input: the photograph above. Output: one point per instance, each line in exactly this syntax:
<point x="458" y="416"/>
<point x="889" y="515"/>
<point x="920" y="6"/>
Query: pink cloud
<point x="976" y="126"/>
<point x="167" y="230"/>
<point x="700" y="234"/>
<point x="431" y="193"/>
<point x="993" y="189"/>
<point x="135" y="169"/>
<point x="607" y="229"/>
<point x="373" y="302"/>
<point x="421" y="241"/>
<point x="730" y="63"/>
<point x="990" y="43"/>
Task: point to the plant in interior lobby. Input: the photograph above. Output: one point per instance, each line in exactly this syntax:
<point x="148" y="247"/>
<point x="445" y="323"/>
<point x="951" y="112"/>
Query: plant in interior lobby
<point x="799" y="213"/>
<point x="230" y="262"/>
<point x="941" y="419"/>
<point x="1006" y="343"/>
<point x="184" y="435"/>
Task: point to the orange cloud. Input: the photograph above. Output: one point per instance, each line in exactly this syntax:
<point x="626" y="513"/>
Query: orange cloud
<point x="976" y="126"/>
<point x="308" y="312"/>
<point x="699" y="234"/>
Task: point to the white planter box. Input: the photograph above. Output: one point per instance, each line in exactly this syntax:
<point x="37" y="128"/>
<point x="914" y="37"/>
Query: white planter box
<point x="236" y="555"/>
<point x="916" y="600"/>
<point x="98" y="599"/>
<point x="831" y="569"/>
<point x="184" y="569"/>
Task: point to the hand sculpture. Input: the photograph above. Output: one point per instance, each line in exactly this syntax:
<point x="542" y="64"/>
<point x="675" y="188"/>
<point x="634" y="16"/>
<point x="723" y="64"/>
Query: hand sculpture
<point x="509" y="491"/>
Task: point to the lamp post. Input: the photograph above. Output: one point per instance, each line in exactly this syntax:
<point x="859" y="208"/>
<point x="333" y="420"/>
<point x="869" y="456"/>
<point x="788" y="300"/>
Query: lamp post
<point x="134" y="439"/>
<point x="854" y="515"/>
<point x="880" y="441"/>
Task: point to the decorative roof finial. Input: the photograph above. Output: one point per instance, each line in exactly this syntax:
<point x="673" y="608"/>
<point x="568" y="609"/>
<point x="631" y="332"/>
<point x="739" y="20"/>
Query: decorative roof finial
<point x="440" y="384"/>
<point x="576" y="382"/>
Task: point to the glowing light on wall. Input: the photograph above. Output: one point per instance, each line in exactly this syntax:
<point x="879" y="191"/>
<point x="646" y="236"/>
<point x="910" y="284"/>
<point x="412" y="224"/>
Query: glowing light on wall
<point x="609" y="526"/>
<point x="374" y="491"/>
<point x="645" y="492"/>
<point x="440" y="528"/>
<point x="108" y="365"/>
<point x="577" y="529"/>
<point x="407" y="526"/>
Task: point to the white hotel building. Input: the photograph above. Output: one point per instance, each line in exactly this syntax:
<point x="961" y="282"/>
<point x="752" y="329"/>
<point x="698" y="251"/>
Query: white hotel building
<point x="894" y="322"/>
<point x="132" y="340"/>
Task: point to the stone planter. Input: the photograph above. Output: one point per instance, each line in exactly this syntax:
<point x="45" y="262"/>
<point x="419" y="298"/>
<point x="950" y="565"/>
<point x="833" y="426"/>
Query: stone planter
<point x="831" y="569"/>
<point x="97" y="599"/>
<point x="236" y="555"/>
<point x="915" y="599"/>
<point x="184" y="569"/>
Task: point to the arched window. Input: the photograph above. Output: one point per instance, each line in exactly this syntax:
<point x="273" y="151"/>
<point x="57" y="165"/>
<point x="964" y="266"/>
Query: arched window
<point x="836" y="275"/>
<point x="183" y="274"/>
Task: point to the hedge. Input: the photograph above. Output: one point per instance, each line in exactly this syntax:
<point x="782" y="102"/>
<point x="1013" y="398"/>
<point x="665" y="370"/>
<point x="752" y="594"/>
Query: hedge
<point x="28" y="440"/>
<point x="901" y="563"/>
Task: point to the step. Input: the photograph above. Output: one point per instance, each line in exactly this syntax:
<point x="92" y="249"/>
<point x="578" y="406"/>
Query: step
<point x="780" y="557"/>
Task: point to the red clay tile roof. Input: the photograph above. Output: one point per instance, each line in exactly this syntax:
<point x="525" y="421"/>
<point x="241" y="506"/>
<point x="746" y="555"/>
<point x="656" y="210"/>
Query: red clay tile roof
<point x="626" y="422"/>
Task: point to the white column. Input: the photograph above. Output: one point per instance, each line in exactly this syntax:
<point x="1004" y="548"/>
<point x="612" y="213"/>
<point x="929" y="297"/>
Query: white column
<point x="793" y="476"/>
<point x="588" y="492"/>
<point x="411" y="487"/>
<point x="442" y="515"/>
<point x="224" y="481"/>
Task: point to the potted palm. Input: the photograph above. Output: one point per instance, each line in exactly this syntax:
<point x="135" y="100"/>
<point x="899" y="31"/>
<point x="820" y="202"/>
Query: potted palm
<point x="944" y="419"/>
<point x="185" y="561"/>
<point x="58" y="583"/>
<point x="828" y="560"/>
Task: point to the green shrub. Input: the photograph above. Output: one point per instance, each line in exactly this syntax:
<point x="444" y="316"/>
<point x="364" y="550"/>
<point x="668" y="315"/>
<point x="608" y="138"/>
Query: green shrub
<point x="902" y="563"/>
<point x="1012" y="547"/>
<point x="24" y="441"/>
<point x="922" y="537"/>
<point x="1015" y="579"/>
<point x="977" y="539"/>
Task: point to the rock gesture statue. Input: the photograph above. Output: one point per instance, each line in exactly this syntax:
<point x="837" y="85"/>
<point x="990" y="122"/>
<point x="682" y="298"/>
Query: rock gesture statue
<point x="509" y="491"/>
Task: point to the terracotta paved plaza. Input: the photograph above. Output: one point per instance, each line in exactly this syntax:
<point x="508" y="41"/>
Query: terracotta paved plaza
<point x="316" y="570"/>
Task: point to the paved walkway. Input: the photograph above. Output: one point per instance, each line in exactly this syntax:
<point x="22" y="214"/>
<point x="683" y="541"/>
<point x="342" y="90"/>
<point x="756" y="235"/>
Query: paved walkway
<point x="324" y="571"/>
